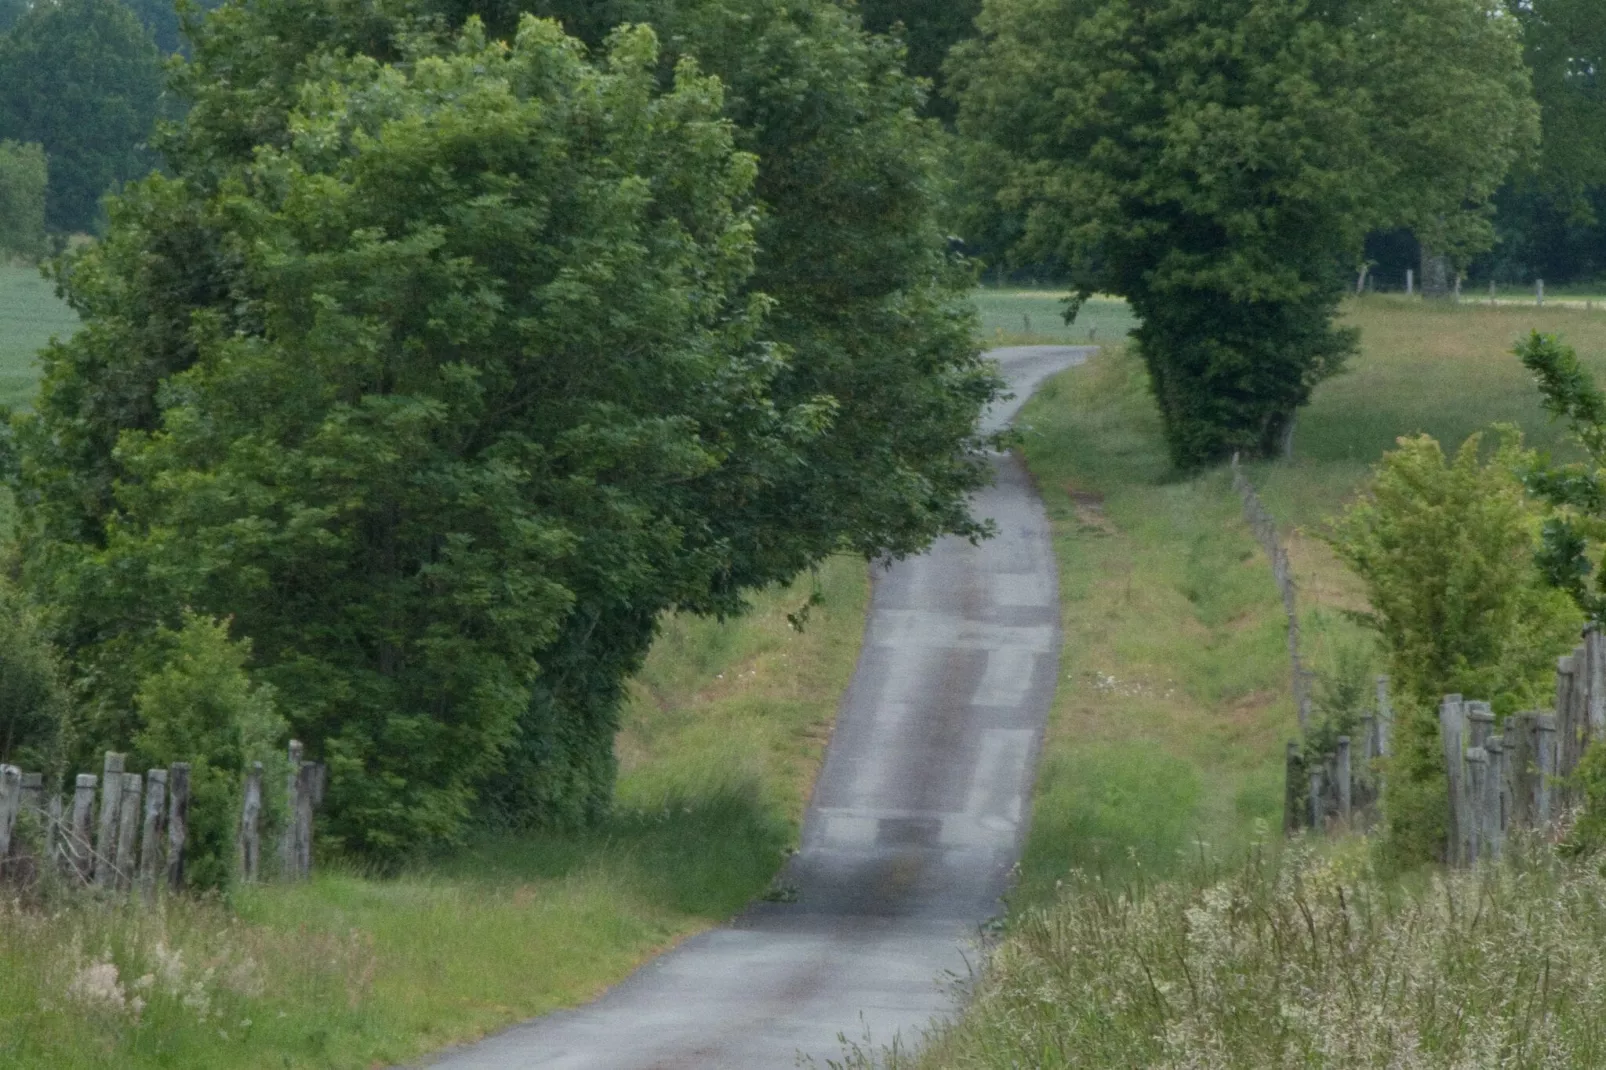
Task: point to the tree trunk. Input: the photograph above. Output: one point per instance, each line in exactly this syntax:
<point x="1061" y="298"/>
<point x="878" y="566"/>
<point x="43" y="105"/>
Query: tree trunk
<point x="1437" y="279"/>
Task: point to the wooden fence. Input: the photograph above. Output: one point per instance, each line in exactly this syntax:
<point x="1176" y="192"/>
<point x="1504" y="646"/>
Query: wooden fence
<point x="137" y="841"/>
<point x="1345" y="784"/>
<point x="1518" y="778"/>
<point x="1498" y="781"/>
<point x="1265" y="528"/>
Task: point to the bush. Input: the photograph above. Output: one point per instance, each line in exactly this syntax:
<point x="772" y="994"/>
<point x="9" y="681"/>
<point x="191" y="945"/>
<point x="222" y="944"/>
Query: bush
<point x="201" y="707"/>
<point x="1446" y="550"/>
<point x="33" y="701"/>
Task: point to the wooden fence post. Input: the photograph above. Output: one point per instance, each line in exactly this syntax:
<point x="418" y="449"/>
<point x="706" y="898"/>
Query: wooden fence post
<point x="1451" y="731"/>
<point x="150" y="840"/>
<point x="178" y="821"/>
<point x="128" y="829"/>
<point x="307" y="791"/>
<point x="288" y="852"/>
<point x="10" y="806"/>
<point x="250" y="846"/>
<point x="1342" y="774"/>
<point x="1545" y="749"/>
<point x="111" y="802"/>
<point x="1385" y="717"/>
<point x="80" y="844"/>
<point x="1520" y="763"/>
<point x="1494" y="803"/>
<point x="1318" y="815"/>
<point x="1477" y="761"/>
<point x="1293" y="789"/>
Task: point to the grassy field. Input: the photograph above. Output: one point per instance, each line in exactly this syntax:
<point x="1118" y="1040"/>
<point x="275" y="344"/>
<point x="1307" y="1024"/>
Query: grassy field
<point x="30" y="313"/>
<point x="1175" y="701"/>
<point x="1017" y="316"/>
<point x="724" y="732"/>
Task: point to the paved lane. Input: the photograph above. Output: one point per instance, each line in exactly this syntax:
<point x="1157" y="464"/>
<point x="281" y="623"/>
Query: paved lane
<point x="917" y="819"/>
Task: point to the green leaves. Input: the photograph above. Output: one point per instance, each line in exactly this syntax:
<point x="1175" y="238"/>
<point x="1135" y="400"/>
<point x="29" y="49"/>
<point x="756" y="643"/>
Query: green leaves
<point x="1220" y="164"/>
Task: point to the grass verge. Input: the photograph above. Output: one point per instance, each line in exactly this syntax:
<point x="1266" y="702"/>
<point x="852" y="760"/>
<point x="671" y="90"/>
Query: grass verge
<point x="725" y="729"/>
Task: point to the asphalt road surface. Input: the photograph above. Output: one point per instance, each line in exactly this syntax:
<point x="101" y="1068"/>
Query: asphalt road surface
<point x="916" y="822"/>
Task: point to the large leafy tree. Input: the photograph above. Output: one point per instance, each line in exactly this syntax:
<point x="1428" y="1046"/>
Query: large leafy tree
<point x="1216" y="164"/>
<point x="469" y="337"/>
<point x="83" y="79"/>
<point x="445" y="368"/>
<point x="1453" y="113"/>
<point x="866" y="300"/>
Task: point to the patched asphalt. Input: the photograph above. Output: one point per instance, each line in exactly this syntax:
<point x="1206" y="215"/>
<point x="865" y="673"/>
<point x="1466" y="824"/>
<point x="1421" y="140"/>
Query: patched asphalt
<point x="916" y="823"/>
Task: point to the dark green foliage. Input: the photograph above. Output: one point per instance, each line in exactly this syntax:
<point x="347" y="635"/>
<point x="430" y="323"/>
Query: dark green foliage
<point x="33" y="700"/>
<point x="200" y="707"/>
<point x="10" y="12"/>
<point x="83" y="79"/>
<point x="443" y="368"/>
<point x="1219" y="165"/>
<point x="1577" y="492"/>
<point x="867" y="303"/>
<point x="22" y="200"/>
<point x="929" y="31"/>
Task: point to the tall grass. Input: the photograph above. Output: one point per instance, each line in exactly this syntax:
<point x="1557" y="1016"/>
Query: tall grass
<point x="1298" y="958"/>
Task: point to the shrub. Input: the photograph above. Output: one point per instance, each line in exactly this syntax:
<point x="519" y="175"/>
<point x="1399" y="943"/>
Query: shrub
<point x="33" y="701"/>
<point x="1446" y="549"/>
<point x="201" y="707"/>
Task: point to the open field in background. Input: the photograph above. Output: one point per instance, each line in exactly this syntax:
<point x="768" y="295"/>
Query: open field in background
<point x="30" y="312"/>
<point x="1026" y="316"/>
<point x="1174" y="700"/>
<point x="725" y="729"/>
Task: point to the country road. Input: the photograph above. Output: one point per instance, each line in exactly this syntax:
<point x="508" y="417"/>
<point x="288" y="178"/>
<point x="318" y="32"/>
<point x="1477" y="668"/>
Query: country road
<point x="916" y="822"/>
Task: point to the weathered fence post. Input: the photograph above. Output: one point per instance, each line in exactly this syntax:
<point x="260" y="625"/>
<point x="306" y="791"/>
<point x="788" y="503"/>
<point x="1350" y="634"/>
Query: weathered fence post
<point x="1318" y="816"/>
<point x="250" y="846"/>
<point x="178" y="821"/>
<point x="128" y="828"/>
<point x="1385" y="717"/>
<point x="10" y="805"/>
<point x="1451" y="731"/>
<point x="307" y="791"/>
<point x="1545" y="750"/>
<point x="83" y="814"/>
<point x="289" y="853"/>
<point x="150" y="840"/>
<point x="1293" y="789"/>
<point x="1410" y="282"/>
<point x="1494" y="803"/>
<point x="1520" y="764"/>
<point x="1345" y="793"/>
<point x="1595" y="682"/>
<point x="1477" y="760"/>
<point x="111" y="803"/>
<point x="1539" y="292"/>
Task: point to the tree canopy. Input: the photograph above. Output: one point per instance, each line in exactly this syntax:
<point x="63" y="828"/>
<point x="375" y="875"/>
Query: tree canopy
<point x="1217" y="164"/>
<point x="83" y="79"/>
<point x="444" y="363"/>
